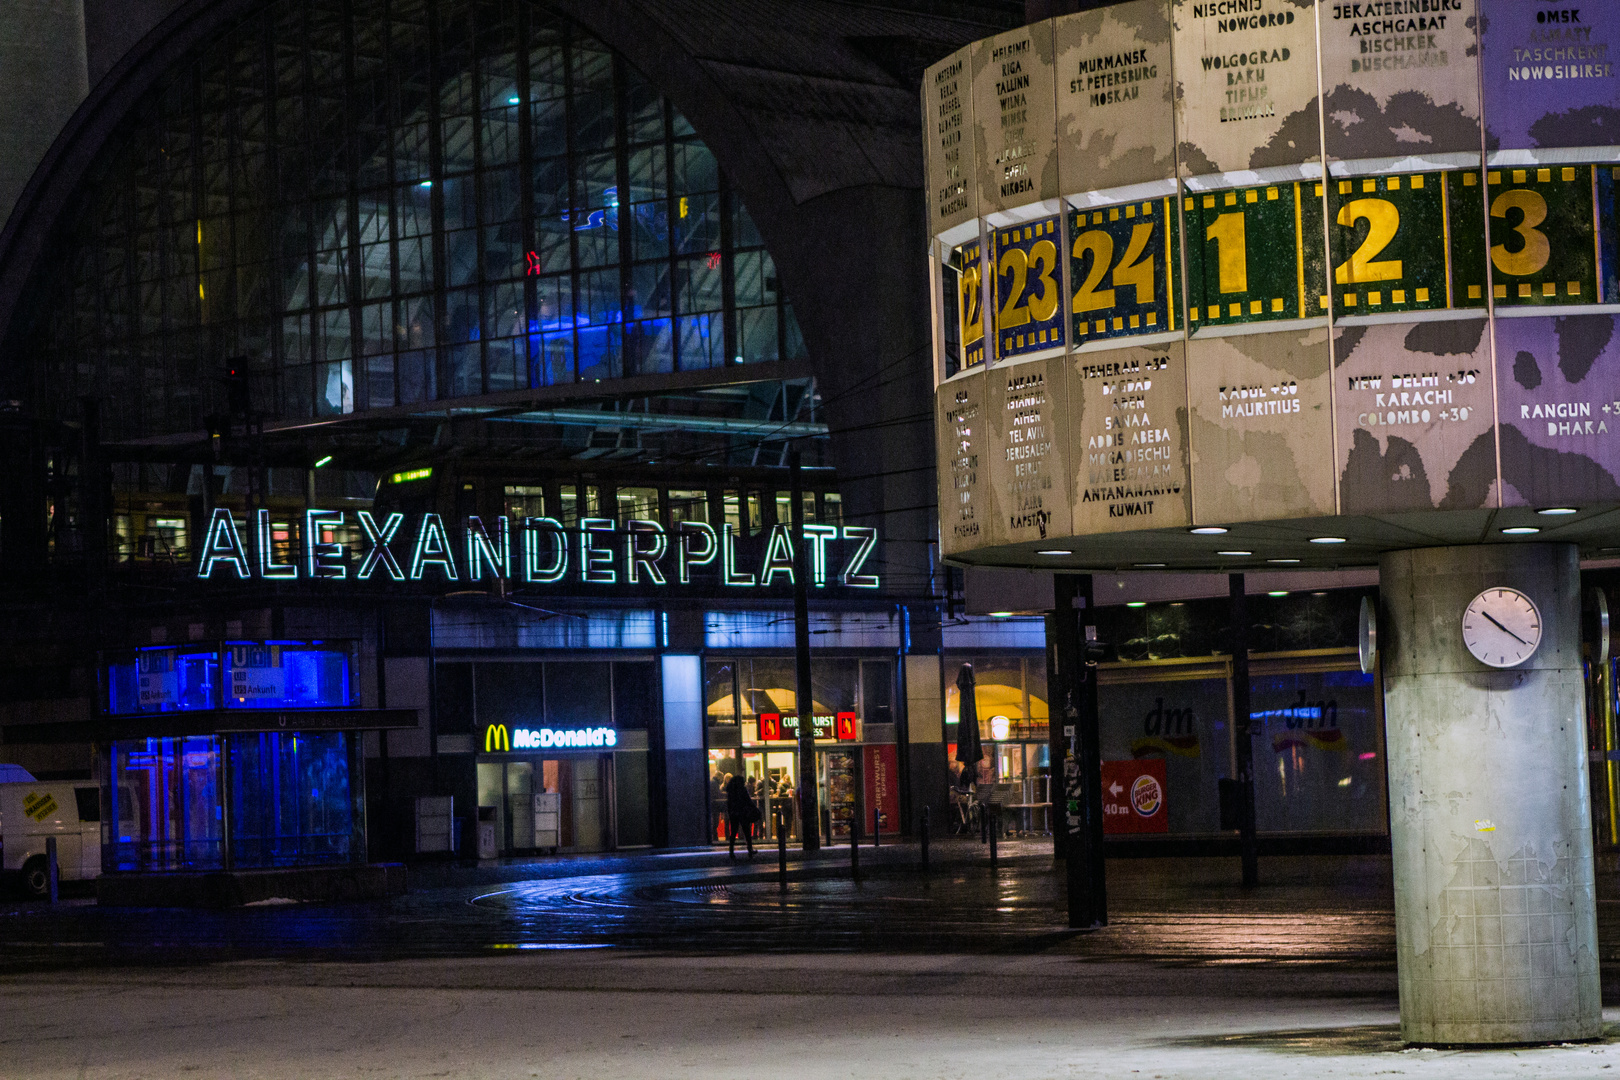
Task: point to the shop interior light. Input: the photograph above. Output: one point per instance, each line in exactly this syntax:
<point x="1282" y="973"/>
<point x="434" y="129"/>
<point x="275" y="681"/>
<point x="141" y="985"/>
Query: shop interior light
<point x="1558" y="511"/>
<point x="1520" y="530"/>
<point x="1001" y="614"/>
<point x="1136" y="603"/>
<point x="327" y="460"/>
<point x="1054" y="551"/>
<point x="1278" y="592"/>
<point x="1283" y="562"/>
<point x="1149" y="565"/>
<point x="1234" y="553"/>
<point x="1207" y="530"/>
<point x="513" y="100"/>
<point x="1327" y="539"/>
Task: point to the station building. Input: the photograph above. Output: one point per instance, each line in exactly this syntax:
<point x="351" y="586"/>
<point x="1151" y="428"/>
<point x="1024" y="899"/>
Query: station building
<point x="399" y="398"/>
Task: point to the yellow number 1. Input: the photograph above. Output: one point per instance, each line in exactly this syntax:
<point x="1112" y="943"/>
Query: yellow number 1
<point x="1232" y="252"/>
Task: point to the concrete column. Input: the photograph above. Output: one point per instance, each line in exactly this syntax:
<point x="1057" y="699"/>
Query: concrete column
<point x="1495" y="915"/>
<point x="43" y="78"/>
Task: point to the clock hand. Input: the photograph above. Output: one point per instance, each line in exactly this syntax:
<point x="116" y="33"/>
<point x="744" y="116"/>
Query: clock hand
<point x="1504" y="629"/>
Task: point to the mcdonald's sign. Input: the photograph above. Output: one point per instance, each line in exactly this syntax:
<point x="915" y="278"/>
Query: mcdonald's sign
<point x="497" y="740"/>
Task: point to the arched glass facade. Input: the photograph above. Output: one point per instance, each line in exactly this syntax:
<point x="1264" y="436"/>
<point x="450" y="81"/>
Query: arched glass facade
<point x="385" y="202"/>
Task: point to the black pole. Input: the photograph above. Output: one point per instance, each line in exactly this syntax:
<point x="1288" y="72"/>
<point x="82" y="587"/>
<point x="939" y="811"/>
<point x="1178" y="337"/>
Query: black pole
<point x="781" y="852"/>
<point x="52" y="871"/>
<point x="877" y="825"/>
<point x="1063" y="661"/>
<point x="923" y="838"/>
<point x="1240" y="726"/>
<point x="855" y="845"/>
<point x="809" y="816"/>
<point x="1082" y="775"/>
<point x="993" y="818"/>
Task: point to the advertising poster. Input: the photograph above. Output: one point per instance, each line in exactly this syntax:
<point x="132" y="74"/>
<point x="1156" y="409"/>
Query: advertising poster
<point x="1115" y="102"/>
<point x="1558" y="387"/>
<point x="953" y="192"/>
<point x="1128" y="418"/>
<point x="1318" y="755"/>
<point x="882" y="780"/>
<point x="1013" y="118"/>
<point x="1400" y="80"/>
<point x="963" y="504"/>
<point x="1179" y="722"/>
<point x="1414" y="416"/>
<point x="1135" y="797"/>
<point x="1026" y="411"/>
<point x="1261" y="429"/>
<point x="1549" y="73"/>
<point x="840" y="793"/>
<point x="1246" y="85"/>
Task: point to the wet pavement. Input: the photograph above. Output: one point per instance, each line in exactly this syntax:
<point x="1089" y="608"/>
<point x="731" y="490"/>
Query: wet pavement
<point x="673" y="965"/>
<point x="1187" y="911"/>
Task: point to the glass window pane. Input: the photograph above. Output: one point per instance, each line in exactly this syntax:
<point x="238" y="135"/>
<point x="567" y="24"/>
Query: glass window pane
<point x="290" y="799"/>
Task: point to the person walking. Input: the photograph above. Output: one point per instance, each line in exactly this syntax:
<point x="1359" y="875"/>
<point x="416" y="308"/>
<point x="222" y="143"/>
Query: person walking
<point x="740" y="811"/>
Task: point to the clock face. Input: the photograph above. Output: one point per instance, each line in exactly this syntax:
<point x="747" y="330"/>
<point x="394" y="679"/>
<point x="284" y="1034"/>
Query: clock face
<point x="1501" y="627"/>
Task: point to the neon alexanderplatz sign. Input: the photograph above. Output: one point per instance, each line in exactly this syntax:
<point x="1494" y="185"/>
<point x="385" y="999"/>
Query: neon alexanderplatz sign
<point x="534" y="550"/>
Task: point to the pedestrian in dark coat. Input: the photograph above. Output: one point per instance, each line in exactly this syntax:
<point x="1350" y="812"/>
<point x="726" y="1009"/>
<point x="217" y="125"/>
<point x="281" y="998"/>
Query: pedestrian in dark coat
<point x="740" y="811"/>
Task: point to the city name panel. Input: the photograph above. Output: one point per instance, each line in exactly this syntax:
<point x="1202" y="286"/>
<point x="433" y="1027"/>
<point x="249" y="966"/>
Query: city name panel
<point x="1242" y="260"/>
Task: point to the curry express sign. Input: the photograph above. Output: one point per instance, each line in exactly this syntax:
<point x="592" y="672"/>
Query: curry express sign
<point x="536" y="550"/>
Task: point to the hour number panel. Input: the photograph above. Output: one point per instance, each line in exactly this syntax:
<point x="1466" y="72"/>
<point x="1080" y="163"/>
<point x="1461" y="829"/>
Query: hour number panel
<point x="1029" y="288"/>
<point x="1122" y="263"/>
<point x="1390" y="242"/>
<point x="1254" y="254"/>
<point x="1543" y="235"/>
<point x="969" y="277"/>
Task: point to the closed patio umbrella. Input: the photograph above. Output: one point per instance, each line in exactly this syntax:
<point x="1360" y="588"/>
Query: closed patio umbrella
<point x="969" y="750"/>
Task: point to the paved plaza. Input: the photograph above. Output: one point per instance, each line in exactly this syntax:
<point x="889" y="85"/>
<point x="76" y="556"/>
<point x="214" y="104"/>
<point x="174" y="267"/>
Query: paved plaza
<point x="689" y="965"/>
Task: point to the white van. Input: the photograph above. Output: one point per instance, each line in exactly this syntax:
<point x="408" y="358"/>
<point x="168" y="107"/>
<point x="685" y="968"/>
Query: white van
<point x="31" y="810"/>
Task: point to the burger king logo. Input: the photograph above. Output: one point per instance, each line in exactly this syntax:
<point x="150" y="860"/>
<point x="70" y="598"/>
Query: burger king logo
<point x="1146" y="796"/>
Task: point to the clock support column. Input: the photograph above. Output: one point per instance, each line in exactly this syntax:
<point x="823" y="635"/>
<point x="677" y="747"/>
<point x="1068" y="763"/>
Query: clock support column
<point x="1490" y="819"/>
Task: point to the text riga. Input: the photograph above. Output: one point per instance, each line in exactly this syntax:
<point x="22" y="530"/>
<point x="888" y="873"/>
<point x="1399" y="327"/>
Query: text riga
<point x="535" y="550"/>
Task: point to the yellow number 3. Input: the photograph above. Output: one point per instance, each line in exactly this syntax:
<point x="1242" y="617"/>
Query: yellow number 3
<point x="1532" y="257"/>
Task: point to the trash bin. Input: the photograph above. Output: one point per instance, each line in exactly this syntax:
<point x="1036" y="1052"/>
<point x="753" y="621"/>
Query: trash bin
<point x="487" y="848"/>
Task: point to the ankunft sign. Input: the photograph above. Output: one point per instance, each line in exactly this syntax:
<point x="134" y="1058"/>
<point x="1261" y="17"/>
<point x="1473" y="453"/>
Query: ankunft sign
<point x="533" y="551"/>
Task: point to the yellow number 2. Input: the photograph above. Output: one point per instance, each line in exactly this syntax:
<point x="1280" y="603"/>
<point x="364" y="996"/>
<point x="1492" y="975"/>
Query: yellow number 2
<point x="1532" y="257"/>
<point x="1383" y="218"/>
<point x="1088" y="297"/>
<point x="1232" y="252"/>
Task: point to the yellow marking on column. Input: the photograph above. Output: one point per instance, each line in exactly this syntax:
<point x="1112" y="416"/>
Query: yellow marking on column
<point x="1445" y="234"/>
<point x="1299" y="246"/>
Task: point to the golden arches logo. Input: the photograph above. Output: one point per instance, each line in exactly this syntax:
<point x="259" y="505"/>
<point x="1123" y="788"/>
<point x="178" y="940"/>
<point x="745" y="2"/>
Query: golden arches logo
<point x="497" y="740"/>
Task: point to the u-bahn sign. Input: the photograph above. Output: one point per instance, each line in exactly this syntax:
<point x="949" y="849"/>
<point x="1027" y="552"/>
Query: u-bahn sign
<point x="535" y="551"/>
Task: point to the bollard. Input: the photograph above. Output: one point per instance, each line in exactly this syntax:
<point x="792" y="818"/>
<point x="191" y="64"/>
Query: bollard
<point x="781" y="853"/>
<point x="877" y="825"/>
<point x="52" y="871"/>
<point x="993" y="816"/>
<point x="855" y="847"/>
<point x="923" y="838"/>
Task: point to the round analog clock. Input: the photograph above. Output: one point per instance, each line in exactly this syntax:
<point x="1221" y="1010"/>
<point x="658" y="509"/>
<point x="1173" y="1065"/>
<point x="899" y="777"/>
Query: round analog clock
<point x="1501" y="627"/>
